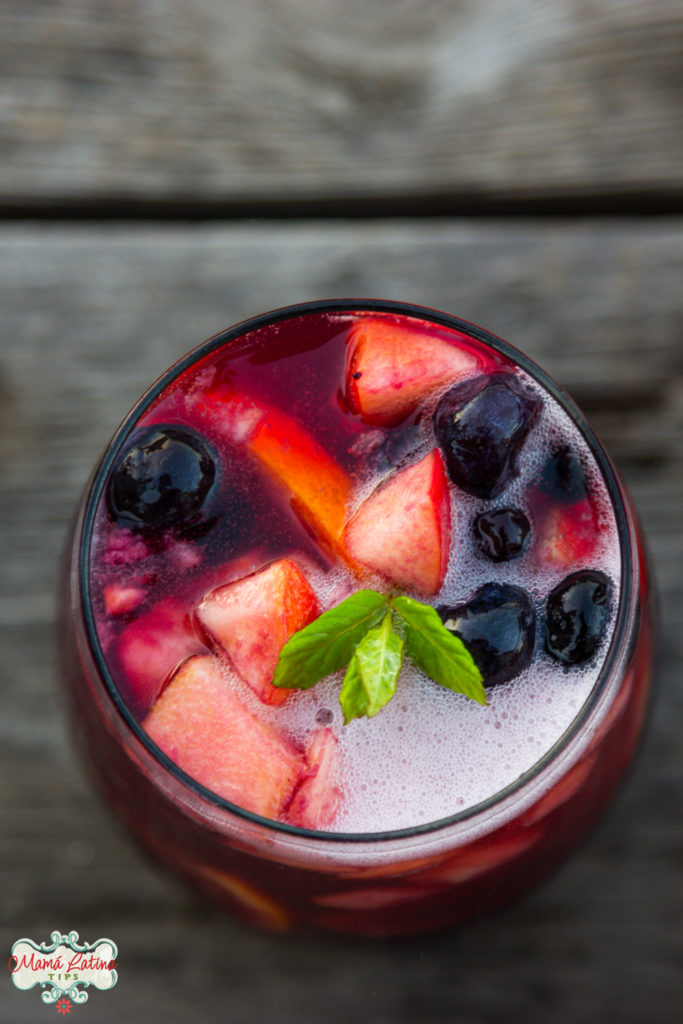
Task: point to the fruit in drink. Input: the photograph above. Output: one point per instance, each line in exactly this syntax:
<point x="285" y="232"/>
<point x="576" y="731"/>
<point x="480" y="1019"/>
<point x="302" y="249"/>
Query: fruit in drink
<point x="317" y="797"/>
<point x="481" y="426"/>
<point x="576" y="613"/>
<point x="202" y="725"/>
<point x="163" y="479"/>
<point x="393" y="366"/>
<point x="402" y="530"/>
<point x="151" y="647"/>
<point x="252" y="618"/>
<point x="308" y="478"/>
<point x="502" y="534"/>
<point x="498" y="627"/>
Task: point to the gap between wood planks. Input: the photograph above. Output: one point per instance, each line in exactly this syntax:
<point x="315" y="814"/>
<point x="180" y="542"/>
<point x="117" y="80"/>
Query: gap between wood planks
<point x="537" y="204"/>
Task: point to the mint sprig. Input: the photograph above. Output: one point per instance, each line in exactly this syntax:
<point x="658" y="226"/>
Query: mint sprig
<point x="370" y="680"/>
<point x="368" y="632"/>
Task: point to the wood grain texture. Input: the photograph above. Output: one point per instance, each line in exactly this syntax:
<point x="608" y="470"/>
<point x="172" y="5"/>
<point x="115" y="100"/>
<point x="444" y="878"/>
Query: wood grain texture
<point x="163" y="99"/>
<point x="88" y="317"/>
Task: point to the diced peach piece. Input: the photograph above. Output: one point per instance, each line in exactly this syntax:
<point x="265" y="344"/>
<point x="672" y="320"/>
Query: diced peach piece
<point x="392" y="367"/>
<point x="567" y="535"/>
<point x="402" y="531"/>
<point x="151" y="648"/>
<point x="202" y="725"/>
<point x="252" y="618"/>
<point x="317" y="797"/>
<point x="318" y="486"/>
<point x="119" y="599"/>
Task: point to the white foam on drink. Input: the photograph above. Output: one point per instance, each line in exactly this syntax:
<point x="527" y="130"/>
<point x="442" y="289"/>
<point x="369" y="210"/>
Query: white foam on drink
<point x="431" y="753"/>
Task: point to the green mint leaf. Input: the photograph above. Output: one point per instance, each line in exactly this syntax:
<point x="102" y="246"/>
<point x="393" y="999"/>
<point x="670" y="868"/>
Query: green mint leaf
<point x="328" y="643"/>
<point x="435" y="650"/>
<point x="370" y="680"/>
<point x="352" y="696"/>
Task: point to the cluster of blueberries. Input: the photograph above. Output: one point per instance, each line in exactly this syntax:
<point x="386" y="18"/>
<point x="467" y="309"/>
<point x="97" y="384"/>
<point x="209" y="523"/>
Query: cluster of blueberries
<point x="481" y="426"/>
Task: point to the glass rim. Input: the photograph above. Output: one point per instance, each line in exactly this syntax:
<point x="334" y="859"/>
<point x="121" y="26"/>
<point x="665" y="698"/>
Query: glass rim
<point x="359" y="306"/>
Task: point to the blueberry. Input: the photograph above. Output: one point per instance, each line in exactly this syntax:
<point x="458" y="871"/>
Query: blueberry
<point x="575" y="616"/>
<point x="163" y="479"/>
<point x="481" y="425"/>
<point x="502" y="534"/>
<point x="563" y="478"/>
<point x="498" y="627"/>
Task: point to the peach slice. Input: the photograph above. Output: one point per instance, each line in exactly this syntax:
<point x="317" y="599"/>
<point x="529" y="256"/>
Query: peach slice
<point x="317" y="487"/>
<point x="567" y="535"/>
<point x="317" y="797"/>
<point x="252" y="618"/>
<point x="202" y="725"/>
<point x="391" y="368"/>
<point x="402" y="531"/>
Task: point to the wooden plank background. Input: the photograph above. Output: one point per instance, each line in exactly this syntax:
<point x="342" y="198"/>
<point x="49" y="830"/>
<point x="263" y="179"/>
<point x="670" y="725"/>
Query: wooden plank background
<point x="186" y="118"/>
<point x="313" y="98"/>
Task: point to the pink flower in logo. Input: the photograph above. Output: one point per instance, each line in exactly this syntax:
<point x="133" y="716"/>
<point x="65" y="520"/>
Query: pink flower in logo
<point x="63" y="1005"/>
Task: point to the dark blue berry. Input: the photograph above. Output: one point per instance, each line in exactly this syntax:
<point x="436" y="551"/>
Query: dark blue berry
<point x="502" y="534"/>
<point x="575" y="616"/>
<point x="498" y="627"/>
<point x="163" y="479"/>
<point x="563" y="478"/>
<point x="481" y="425"/>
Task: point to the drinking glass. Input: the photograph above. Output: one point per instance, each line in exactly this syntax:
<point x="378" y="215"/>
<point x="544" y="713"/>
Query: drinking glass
<point x="407" y="880"/>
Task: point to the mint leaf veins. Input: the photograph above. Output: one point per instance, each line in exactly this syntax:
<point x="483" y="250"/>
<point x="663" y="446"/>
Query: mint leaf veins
<point x="368" y="632"/>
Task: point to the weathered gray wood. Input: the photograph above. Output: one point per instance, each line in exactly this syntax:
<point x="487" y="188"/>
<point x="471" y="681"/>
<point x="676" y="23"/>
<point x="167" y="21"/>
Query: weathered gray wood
<point x="88" y="317"/>
<point x="154" y="99"/>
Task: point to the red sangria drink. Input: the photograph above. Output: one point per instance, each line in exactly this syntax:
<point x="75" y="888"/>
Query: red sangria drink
<point x="357" y="624"/>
